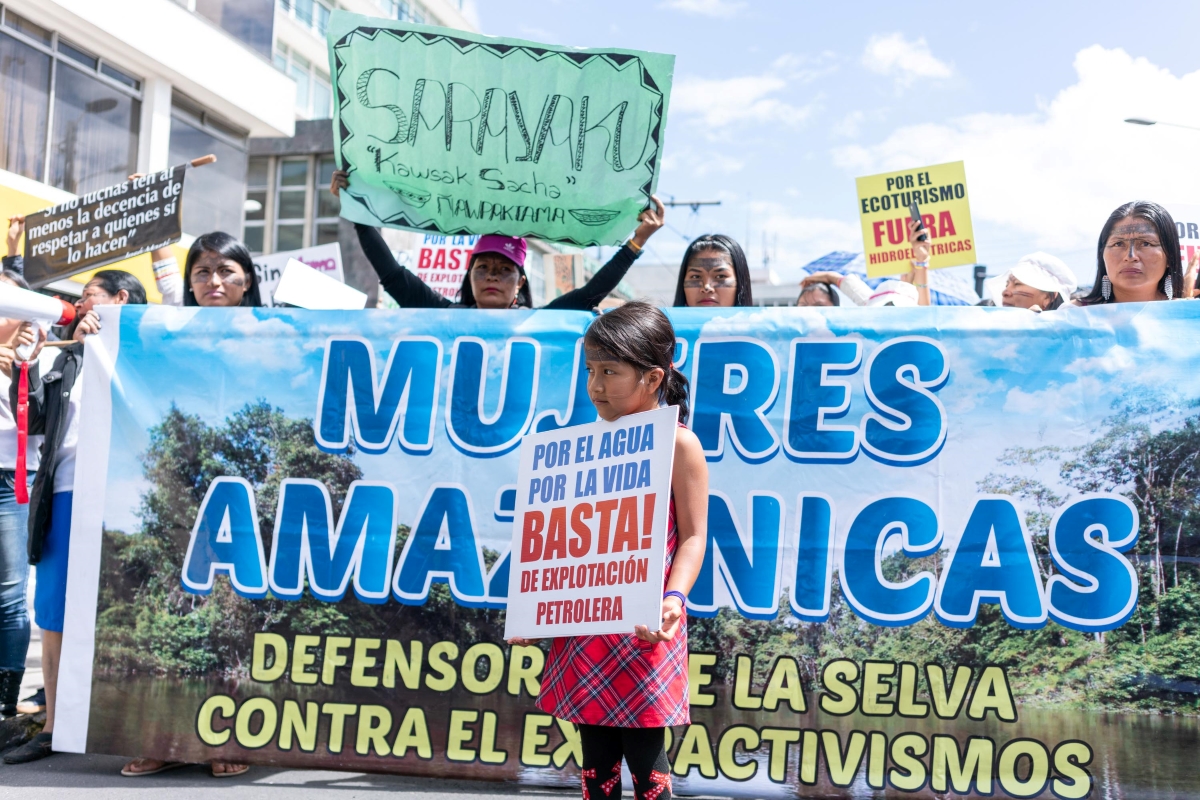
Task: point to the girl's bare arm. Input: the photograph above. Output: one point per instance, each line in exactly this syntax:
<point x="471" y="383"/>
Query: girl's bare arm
<point x="689" y="483"/>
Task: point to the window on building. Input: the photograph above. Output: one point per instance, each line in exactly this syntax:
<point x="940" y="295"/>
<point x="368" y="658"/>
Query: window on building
<point x="310" y="14"/>
<point x="213" y="194"/>
<point x="24" y="108"/>
<point x="251" y="22"/>
<point x="258" y="180"/>
<point x="314" y="97"/>
<point x="404" y="10"/>
<point x="288" y="205"/>
<point x="327" y="207"/>
<point x="291" y="201"/>
<point x="67" y="117"/>
<point x="300" y="69"/>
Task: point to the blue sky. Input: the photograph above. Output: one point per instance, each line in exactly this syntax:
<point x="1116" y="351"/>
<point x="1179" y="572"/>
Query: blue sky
<point x="778" y="105"/>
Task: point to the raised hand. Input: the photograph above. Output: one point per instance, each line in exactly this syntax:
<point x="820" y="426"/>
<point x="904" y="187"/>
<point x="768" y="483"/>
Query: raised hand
<point x="16" y="227"/>
<point x="649" y="222"/>
<point x="338" y="181"/>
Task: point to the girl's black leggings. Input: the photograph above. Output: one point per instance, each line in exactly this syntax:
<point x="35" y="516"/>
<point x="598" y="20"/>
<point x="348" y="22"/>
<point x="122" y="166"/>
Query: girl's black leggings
<point x="643" y="751"/>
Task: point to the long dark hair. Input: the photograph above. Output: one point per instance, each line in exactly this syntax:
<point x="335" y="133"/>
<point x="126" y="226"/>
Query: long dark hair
<point x="113" y="281"/>
<point x="225" y="246"/>
<point x="741" y="269"/>
<point x="1161" y="219"/>
<point x="641" y="335"/>
<point x="466" y="295"/>
<point x="825" y="289"/>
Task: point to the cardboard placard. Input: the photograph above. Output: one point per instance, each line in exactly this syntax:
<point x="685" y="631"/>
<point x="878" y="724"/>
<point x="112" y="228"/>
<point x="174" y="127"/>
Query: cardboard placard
<point x="325" y="258"/>
<point x="446" y="131"/>
<point x="590" y="530"/>
<point x="940" y="192"/>
<point x="304" y="287"/>
<point x="104" y="226"/>
<point x="441" y="261"/>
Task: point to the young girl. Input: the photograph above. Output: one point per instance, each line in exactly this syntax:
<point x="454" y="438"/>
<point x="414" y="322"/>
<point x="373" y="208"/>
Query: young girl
<point x="622" y="690"/>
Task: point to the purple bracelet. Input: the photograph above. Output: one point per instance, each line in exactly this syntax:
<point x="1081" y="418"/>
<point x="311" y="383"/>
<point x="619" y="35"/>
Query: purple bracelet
<point x="680" y="595"/>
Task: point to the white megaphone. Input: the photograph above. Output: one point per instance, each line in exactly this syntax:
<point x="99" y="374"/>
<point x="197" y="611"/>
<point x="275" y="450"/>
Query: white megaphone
<point x="42" y="311"/>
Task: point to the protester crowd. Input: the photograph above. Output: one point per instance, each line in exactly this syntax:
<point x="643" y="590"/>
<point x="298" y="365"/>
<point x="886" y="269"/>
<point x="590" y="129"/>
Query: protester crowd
<point x="1137" y="260"/>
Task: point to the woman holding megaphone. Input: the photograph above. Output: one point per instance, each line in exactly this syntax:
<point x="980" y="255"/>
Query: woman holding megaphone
<point x="53" y="399"/>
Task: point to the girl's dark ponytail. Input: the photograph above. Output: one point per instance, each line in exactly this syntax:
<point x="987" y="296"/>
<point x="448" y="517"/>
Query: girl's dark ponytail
<point x="640" y="334"/>
<point x="675" y="391"/>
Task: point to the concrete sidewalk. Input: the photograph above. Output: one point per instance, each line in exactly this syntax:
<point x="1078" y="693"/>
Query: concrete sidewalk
<point x="99" y="777"/>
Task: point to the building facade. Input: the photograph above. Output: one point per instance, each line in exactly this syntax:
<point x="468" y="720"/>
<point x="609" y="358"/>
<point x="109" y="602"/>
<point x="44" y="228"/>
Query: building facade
<point x="95" y="90"/>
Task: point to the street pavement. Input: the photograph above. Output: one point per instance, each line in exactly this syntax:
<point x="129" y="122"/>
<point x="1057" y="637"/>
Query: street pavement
<point x="69" y="776"/>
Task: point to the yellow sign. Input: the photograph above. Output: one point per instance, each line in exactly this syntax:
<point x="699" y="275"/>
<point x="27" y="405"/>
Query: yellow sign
<point x="940" y="193"/>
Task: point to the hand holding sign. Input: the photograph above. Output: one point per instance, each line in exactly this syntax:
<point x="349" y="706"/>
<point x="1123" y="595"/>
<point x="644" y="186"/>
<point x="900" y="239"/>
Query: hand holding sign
<point x="672" y="615"/>
<point x="1189" y="278"/>
<point x="16" y="228"/>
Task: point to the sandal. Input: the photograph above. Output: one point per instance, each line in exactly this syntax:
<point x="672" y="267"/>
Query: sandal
<point x="238" y="769"/>
<point x="163" y="766"/>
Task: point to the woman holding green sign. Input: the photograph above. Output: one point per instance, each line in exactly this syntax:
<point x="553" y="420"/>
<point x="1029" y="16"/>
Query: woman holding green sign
<point x="495" y="277"/>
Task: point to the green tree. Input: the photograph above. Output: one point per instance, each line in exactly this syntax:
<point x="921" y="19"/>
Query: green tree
<point x="148" y="622"/>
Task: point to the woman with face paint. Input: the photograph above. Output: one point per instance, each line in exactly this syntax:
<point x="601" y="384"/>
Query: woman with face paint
<point x="1038" y="282"/>
<point x="495" y="277"/>
<point x="219" y="273"/>
<point x="714" y="274"/>
<point x="1137" y="257"/>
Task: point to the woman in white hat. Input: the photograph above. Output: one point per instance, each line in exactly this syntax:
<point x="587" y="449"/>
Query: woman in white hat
<point x="1038" y="282"/>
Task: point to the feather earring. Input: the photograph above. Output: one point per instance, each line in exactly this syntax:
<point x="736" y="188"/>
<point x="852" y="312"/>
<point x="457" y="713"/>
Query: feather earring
<point x="1106" y="288"/>
<point x="1168" y="288"/>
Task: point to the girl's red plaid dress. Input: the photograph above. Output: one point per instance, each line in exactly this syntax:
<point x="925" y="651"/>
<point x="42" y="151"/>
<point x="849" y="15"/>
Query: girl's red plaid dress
<point x="617" y="679"/>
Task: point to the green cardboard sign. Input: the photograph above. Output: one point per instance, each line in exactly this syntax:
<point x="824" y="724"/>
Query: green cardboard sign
<point x="457" y="133"/>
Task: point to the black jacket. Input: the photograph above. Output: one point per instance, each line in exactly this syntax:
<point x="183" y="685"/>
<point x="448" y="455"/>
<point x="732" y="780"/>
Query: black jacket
<point x="48" y="399"/>
<point x="409" y="291"/>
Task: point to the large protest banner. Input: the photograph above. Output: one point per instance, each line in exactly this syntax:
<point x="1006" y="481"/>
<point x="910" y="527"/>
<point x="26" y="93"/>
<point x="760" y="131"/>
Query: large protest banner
<point x="104" y="227"/>
<point x="940" y="193"/>
<point x="444" y="131"/>
<point x="951" y="550"/>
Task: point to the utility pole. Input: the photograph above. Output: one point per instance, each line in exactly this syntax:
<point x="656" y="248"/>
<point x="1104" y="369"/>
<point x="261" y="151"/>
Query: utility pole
<point x="694" y="205"/>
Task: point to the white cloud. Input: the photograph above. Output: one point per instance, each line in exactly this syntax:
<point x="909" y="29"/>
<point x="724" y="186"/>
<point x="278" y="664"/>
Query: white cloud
<point x="750" y="98"/>
<point x="1051" y="177"/>
<point x="700" y="164"/>
<point x="906" y="61"/>
<point x="1116" y="360"/>
<point x="849" y="125"/>
<point x="724" y="102"/>
<point x="721" y="9"/>
<point x="801" y="239"/>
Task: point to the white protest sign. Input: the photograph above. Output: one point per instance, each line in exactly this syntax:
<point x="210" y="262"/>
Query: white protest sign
<point x="441" y="261"/>
<point x="1187" y="222"/>
<point x="590" y="528"/>
<point x="325" y="258"/>
<point x="302" y="286"/>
